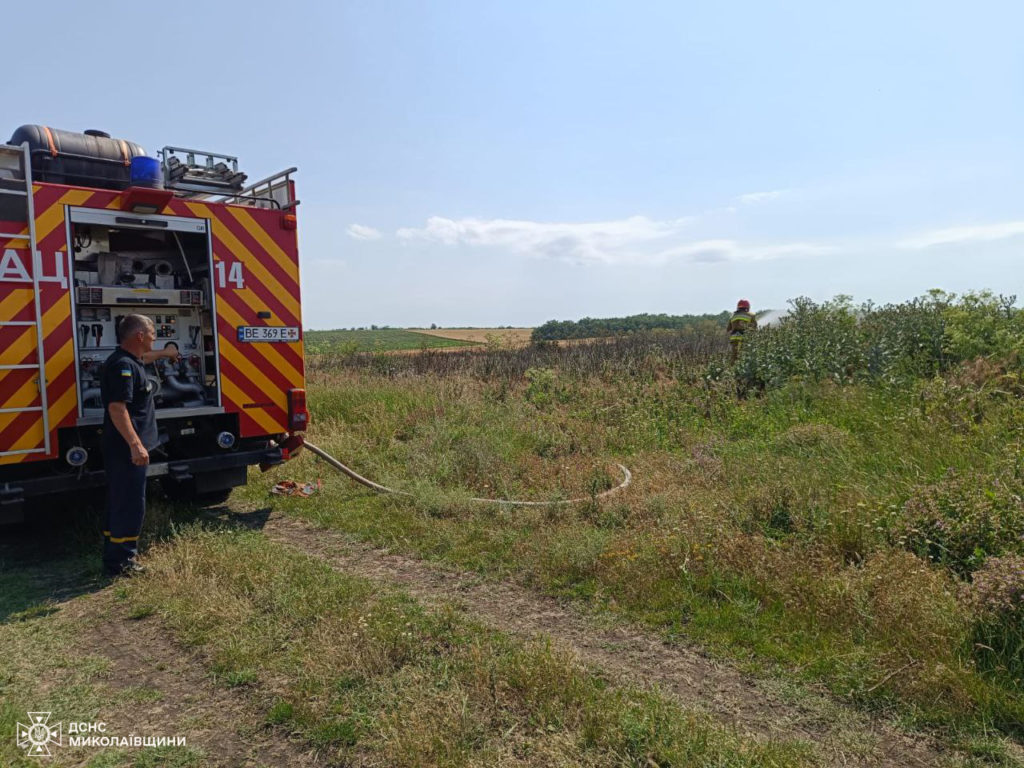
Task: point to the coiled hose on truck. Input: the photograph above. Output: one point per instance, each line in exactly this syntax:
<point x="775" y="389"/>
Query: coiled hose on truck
<point x="626" y="475"/>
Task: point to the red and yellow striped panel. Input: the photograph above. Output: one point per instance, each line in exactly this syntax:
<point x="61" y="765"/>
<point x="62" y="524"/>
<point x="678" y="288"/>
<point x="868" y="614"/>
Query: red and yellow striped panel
<point x="20" y="388"/>
<point x="255" y="377"/>
<point x="260" y="274"/>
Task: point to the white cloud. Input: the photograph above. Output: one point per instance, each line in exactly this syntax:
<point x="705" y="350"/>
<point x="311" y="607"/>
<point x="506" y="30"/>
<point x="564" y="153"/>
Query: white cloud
<point x="711" y="251"/>
<point x="980" y="233"/>
<point x="600" y="241"/>
<point x="636" y="240"/>
<point x="596" y="242"/>
<point x="752" y="198"/>
<point x="359" y="232"/>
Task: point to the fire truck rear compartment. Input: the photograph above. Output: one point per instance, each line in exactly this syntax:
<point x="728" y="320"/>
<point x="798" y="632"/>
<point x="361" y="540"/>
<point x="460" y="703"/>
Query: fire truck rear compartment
<point x="161" y="273"/>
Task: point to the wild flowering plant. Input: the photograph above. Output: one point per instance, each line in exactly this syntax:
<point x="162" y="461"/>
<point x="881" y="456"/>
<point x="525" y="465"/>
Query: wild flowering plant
<point x="997" y="588"/>
<point x="963" y="520"/>
<point x="996" y="598"/>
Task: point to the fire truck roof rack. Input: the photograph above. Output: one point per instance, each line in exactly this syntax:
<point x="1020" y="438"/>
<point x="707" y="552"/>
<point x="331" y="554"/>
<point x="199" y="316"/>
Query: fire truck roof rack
<point x="216" y="178"/>
<point x="201" y="172"/>
<point x="272" y="192"/>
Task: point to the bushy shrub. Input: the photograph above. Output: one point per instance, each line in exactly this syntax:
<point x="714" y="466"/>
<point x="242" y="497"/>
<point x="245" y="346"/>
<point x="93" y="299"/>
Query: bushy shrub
<point x="592" y="327"/>
<point x="996" y="599"/>
<point x="839" y="341"/>
<point x="542" y="386"/>
<point x="982" y="325"/>
<point x="962" y="520"/>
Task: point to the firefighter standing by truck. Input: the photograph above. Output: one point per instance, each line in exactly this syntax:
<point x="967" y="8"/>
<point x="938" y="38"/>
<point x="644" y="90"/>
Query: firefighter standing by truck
<point x="92" y="229"/>
<point x="742" y="320"/>
<point x="129" y="434"/>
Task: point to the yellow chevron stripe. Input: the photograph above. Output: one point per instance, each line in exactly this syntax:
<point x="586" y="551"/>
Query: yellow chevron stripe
<point x="26" y="341"/>
<point x="268" y="352"/>
<point x="260" y="235"/>
<point x="53" y="217"/>
<point x="30" y="438"/>
<point x="255" y="376"/>
<point x="57" y="315"/>
<point x="64" y="405"/>
<point x="251" y="261"/>
<point x="251" y="300"/>
<point x="59" y="409"/>
<point x="60" y="361"/>
<point x="26" y="395"/>
<point x="14" y="302"/>
<point x="235" y="394"/>
<point x="20" y="348"/>
<point x="54" y="316"/>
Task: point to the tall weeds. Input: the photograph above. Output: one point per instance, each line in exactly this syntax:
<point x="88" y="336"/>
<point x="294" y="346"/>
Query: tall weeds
<point x="836" y="502"/>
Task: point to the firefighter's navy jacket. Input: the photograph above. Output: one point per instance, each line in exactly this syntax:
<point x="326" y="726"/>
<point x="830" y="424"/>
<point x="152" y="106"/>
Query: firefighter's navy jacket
<point x="123" y="380"/>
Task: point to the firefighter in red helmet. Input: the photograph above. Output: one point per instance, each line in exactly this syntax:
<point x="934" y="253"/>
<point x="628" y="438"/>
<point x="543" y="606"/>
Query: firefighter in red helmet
<point x="742" y="320"/>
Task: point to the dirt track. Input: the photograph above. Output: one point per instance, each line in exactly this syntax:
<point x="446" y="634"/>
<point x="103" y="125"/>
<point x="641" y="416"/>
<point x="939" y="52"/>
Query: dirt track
<point x="227" y="724"/>
<point x="756" y="708"/>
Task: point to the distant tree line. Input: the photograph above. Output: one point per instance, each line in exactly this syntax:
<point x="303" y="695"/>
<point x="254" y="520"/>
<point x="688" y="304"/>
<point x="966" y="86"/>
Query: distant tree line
<point x="591" y="327"/>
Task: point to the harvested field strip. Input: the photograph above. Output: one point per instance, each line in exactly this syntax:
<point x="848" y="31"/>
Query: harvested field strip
<point x="371" y="677"/>
<point x="510" y="337"/>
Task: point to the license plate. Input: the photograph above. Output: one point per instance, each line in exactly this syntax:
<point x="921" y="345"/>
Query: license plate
<point x="268" y="333"/>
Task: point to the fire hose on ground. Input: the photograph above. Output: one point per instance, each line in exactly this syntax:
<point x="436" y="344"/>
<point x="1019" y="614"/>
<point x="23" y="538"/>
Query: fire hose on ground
<point x="352" y="474"/>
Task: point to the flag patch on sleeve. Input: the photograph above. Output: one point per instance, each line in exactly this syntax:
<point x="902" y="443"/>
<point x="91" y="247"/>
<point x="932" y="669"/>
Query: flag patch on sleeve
<point x="126" y="372"/>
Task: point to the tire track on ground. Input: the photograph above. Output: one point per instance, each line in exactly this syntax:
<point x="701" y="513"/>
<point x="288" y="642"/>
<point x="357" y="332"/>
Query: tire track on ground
<point x="225" y="723"/>
<point x="755" y="708"/>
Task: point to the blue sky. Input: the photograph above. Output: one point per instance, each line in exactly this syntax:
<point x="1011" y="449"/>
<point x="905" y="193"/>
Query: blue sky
<point x="484" y="163"/>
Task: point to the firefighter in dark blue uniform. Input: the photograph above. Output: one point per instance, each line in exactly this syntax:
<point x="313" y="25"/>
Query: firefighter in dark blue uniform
<point x="129" y="434"/>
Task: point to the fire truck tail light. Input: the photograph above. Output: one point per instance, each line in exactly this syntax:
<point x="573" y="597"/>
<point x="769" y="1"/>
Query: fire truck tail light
<point x="288" y="221"/>
<point x="298" y="416"/>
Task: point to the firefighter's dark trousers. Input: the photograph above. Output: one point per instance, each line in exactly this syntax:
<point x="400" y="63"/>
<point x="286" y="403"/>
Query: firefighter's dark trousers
<point x="126" y="507"/>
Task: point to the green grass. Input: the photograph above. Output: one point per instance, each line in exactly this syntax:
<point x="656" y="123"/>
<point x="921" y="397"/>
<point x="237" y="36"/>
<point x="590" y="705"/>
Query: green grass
<point x="763" y="528"/>
<point x="44" y="570"/>
<point x="386" y="340"/>
<point x="369" y="676"/>
<point x="43" y="667"/>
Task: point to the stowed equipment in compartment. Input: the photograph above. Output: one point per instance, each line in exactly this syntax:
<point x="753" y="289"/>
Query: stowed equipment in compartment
<point x="164" y="275"/>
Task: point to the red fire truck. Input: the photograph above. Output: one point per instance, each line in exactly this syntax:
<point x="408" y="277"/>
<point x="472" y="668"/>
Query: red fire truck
<point x="92" y="229"/>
